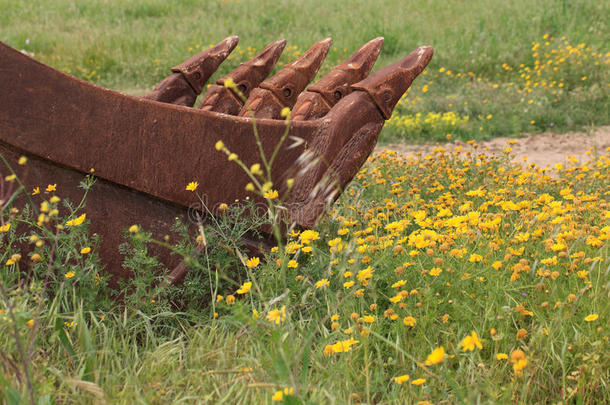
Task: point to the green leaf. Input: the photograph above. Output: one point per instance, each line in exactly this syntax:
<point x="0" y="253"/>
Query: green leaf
<point x="306" y="360"/>
<point x="63" y="338"/>
<point x="11" y="396"/>
<point x="87" y="347"/>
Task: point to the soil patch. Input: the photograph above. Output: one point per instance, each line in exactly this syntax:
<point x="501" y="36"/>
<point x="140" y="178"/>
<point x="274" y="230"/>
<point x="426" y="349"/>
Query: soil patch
<point x="546" y="149"/>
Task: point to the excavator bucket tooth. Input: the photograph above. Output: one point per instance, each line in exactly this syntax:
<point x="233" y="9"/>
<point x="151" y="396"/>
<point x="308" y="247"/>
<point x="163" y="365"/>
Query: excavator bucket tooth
<point x="246" y="77"/>
<point x="188" y="78"/>
<point x="282" y="89"/>
<point x="321" y="96"/>
<point x="388" y="84"/>
<point x="348" y="135"/>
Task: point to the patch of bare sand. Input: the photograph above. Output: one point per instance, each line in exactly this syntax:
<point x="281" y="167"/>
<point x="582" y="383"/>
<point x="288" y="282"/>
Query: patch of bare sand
<point x="546" y="149"/>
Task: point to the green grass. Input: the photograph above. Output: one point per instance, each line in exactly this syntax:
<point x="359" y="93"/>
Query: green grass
<point x="130" y="45"/>
<point x="460" y="243"/>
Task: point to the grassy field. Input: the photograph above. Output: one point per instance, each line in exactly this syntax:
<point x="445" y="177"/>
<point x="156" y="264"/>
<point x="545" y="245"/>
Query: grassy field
<point x="453" y="277"/>
<point x="500" y="67"/>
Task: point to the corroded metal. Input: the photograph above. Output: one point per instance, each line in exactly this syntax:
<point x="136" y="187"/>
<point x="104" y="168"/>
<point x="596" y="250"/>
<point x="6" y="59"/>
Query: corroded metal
<point x="188" y="78"/>
<point x="321" y="96"/>
<point x="282" y="89"/>
<point x="389" y="84"/>
<point x="246" y="77"/>
<point x="341" y="146"/>
<point x="145" y="152"/>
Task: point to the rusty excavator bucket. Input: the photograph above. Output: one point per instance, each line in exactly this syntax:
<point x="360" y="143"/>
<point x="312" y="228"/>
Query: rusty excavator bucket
<point x="144" y="150"/>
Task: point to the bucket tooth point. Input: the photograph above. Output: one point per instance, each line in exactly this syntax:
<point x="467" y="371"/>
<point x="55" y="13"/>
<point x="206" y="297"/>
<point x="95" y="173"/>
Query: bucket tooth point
<point x="280" y="42"/>
<point x="388" y="84"/>
<point x="313" y="57"/>
<point x="417" y="60"/>
<point x="365" y="57"/>
<point x="226" y="46"/>
<point x="272" y="51"/>
<point x="231" y="41"/>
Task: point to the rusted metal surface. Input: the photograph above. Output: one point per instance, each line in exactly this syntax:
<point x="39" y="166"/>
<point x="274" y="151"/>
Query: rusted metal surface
<point x="341" y="146"/>
<point x="282" y="89"/>
<point x="388" y="84"/>
<point x="246" y="77"/>
<point x="144" y="152"/>
<point x="321" y="96"/>
<point x="188" y="78"/>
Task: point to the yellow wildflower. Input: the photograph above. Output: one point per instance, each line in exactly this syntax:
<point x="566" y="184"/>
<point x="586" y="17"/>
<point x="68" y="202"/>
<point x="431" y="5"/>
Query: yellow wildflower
<point x="245" y="287"/>
<point x="192" y="186"/>
<point x="322" y="283"/>
<point x="435" y="271"/>
<point x="271" y="194"/>
<point x="77" y="221"/>
<point x="475" y="258"/>
<point x="419" y="381"/>
<point x="339" y="347"/>
<point x="591" y="317"/>
<point x="436" y="357"/>
<point x="363" y="276"/>
<point x="409" y="321"/>
<point x="471" y="341"/>
<point x="521" y="334"/>
<point x="309" y="236"/>
<point x="253" y="262"/>
<point x="401" y="378"/>
<point x="277" y="315"/>
<point x="278" y="396"/>
<point x="519" y="361"/>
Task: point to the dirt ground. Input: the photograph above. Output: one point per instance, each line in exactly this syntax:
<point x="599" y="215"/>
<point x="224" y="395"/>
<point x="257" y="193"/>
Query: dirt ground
<point x="546" y="149"/>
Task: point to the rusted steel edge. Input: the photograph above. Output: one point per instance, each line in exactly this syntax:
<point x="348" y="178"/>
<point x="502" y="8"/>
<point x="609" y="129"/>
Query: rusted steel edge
<point x="84" y="126"/>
